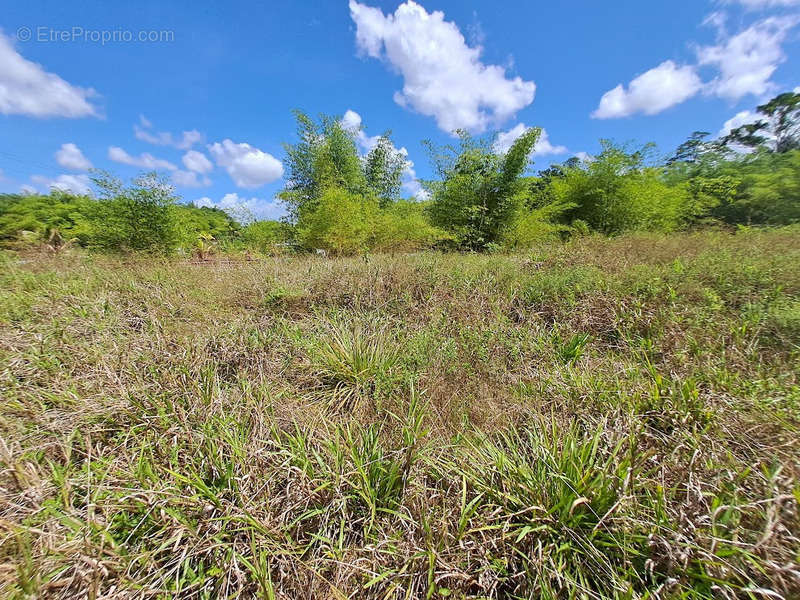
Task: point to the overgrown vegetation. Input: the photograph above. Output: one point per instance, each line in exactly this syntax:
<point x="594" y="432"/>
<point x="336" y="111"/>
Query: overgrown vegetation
<point x="595" y="397"/>
<point x="345" y="202"/>
<point x="603" y="418"/>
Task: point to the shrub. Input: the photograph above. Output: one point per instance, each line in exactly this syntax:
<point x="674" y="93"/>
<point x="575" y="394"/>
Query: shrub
<point x="404" y="226"/>
<point x="137" y="217"/>
<point x="616" y="192"/>
<point x="339" y="224"/>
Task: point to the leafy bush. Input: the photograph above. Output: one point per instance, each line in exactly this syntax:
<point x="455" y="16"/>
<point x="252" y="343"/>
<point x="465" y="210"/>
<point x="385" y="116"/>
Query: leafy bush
<point x="404" y="226"/>
<point x="339" y="224"/>
<point x="616" y="192"/>
<point x="71" y="215"/>
<point x="137" y="217"/>
<point x="480" y="191"/>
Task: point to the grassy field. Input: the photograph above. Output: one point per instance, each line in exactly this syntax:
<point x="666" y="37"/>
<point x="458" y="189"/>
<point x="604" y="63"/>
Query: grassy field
<point x="601" y="419"/>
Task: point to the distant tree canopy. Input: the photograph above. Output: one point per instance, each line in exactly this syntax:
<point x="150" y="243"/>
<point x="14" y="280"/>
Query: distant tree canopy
<point x="144" y="216"/>
<point x="342" y="201"/>
<point x="326" y="156"/>
<point x="778" y="129"/>
<point x="480" y="199"/>
<point x="480" y="191"/>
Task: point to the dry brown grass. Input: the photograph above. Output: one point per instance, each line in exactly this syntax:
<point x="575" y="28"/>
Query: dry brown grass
<point x="603" y="419"/>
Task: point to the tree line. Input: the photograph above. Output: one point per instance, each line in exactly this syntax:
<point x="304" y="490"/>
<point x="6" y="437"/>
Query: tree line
<point x="481" y="199"/>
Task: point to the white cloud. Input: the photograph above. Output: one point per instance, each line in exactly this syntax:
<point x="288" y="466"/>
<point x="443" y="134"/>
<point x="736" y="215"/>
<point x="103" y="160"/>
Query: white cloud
<point x="190" y="179"/>
<point x="747" y="60"/>
<point x="75" y="184"/>
<point x="186" y="140"/>
<point x="741" y="118"/>
<point x="244" y="209"/>
<point x="442" y="76"/>
<point x="27" y="190"/>
<point x="758" y="4"/>
<point x="205" y="201"/>
<point x="352" y="121"/>
<point x="249" y="167"/>
<point x="144" y="160"/>
<point x="651" y="92"/>
<point x="27" y="89"/>
<point x="197" y="162"/>
<point x="410" y="182"/>
<point x="70" y="156"/>
<point x="505" y="139"/>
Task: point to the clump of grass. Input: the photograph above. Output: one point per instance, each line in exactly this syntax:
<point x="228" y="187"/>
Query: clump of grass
<point x="618" y="420"/>
<point x="350" y="358"/>
<point x="573" y="348"/>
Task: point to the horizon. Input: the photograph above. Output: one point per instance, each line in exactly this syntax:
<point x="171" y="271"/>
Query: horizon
<point x="206" y="95"/>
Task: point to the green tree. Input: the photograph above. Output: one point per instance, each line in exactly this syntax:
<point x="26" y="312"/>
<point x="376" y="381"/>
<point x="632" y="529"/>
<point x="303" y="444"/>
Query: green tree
<point x="778" y="130"/>
<point x="325" y="156"/>
<point x="383" y="170"/>
<point x="340" y="222"/>
<point x="135" y="217"/>
<point x="263" y="236"/>
<point x="403" y="226"/>
<point x="480" y="190"/>
<point x="68" y="214"/>
<point x="622" y="190"/>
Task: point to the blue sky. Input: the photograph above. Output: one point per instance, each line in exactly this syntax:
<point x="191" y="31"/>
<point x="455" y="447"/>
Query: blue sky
<point x="206" y="95"/>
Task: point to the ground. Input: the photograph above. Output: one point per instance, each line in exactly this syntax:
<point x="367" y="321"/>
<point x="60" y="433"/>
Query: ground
<point x="596" y="419"/>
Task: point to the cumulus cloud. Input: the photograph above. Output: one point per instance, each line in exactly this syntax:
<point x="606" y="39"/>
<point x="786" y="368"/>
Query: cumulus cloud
<point x="651" y="92"/>
<point x="204" y="202"/>
<point x="70" y="156"/>
<point x="249" y="167"/>
<point x="352" y="121"/>
<point x="745" y="63"/>
<point x="244" y="209"/>
<point x="759" y="4"/>
<point x="190" y="179"/>
<point x="143" y="131"/>
<point x="505" y="139"/>
<point x="144" y="160"/>
<point x="75" y="184"/>
<point x="27" y="89"/>
<point x="741" y="118"/>
<point x="747" y="60"/>
<point x="197" y="162"/>
<point x="443" y="77"/>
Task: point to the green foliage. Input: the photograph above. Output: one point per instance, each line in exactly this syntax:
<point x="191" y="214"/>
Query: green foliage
<point x="403" y="226"/>
<point x="326" y="155"/>
<point x="480" y="191"/>
<point x="339" y="223"/>
<point x="383" y="170"/>
<point x="138" y="217"/>
<point x="778" y="130"/>
<point x="530" y="226"/>
<point x="768" y="191"/>
<point x="71" y="215"/>
<point x="193" y="223"/>
<point x="618" y="191"/>
<point x="263" y="236"/>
